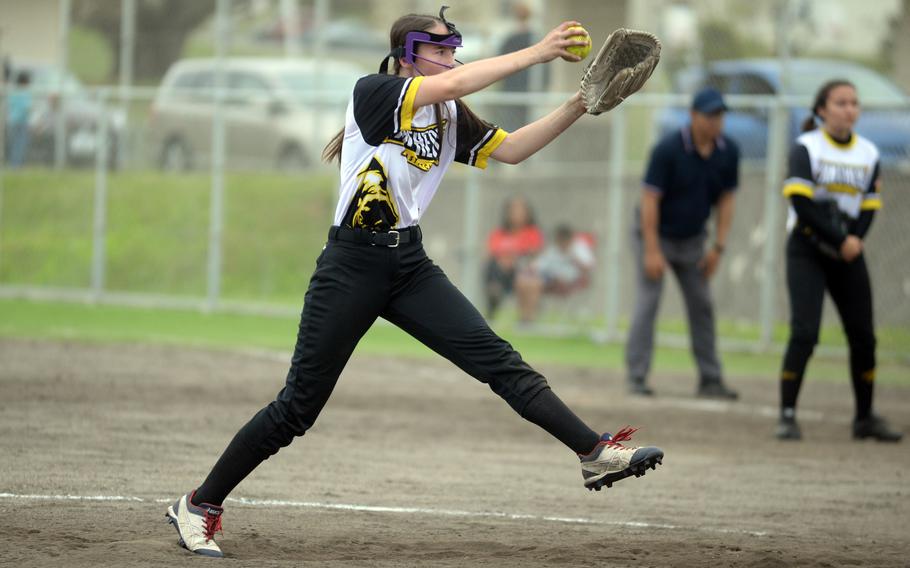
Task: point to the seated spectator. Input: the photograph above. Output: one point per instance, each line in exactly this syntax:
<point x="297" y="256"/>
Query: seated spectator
<point x="510" y="246"/>
<point x="562" y="269"/>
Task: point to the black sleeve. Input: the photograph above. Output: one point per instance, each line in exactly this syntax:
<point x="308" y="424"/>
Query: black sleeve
<point x="799" y="165"/>
<point x="861" y="225"/>
<point x="799" y="174"/>
<point x="876" y="177"/>
<point x="476" y="138"/>
<point x="817" y="217"/>
<point x="871" y="202"/>
<point x="384" y="105"/>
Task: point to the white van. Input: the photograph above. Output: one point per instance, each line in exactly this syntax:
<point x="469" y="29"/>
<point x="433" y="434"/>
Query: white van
<point x="278" y="113"/>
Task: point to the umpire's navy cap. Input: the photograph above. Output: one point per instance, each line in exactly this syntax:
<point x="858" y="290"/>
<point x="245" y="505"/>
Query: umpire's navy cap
<point x="708" y="101"/>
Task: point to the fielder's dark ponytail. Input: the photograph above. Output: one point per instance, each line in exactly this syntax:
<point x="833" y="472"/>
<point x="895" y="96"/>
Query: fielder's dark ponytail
<point x="809" y="123"/>
<point x="821" y="100"/>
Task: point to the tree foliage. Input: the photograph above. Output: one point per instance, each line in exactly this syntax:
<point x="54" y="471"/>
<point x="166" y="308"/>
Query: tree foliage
<point x="720" y="40"/>
<point x="162" y="27"/>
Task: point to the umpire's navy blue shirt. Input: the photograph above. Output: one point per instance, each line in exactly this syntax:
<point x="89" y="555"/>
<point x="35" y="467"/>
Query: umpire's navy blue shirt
<point x="690" y="185"/>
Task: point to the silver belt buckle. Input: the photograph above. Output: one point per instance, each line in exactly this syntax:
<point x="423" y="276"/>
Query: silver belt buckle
<point x="397" y="238"/>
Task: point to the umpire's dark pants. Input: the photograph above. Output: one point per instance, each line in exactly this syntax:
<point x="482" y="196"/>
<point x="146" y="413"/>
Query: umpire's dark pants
<point x="683" y="257"/>
<point x="354" y="283"/>
<point x="809" y="274"/>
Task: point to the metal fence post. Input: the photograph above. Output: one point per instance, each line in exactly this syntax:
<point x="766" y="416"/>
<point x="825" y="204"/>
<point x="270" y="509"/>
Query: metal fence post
<point x="99" y="225"/>
<point x="614" y="218"/>
<point x="3" y="95"/>
<point x="2" y="174"/>
<point x="216" y="202"/>
<point x="290" y="39"/>
<point x="127" y="50"/>
<point x="777" y="143"/>
<point x="60" y="149"/>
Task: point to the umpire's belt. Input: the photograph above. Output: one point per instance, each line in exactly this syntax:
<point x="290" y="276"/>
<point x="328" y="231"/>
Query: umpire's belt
<point x="389" y="239"/>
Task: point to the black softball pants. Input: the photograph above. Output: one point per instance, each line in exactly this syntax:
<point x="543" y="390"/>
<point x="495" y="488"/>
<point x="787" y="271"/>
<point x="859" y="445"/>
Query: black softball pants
<point x="354" y="283"/>
<point x="809" y="274"/>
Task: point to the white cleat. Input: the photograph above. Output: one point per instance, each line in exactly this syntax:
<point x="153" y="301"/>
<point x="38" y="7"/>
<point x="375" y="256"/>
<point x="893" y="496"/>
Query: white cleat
<point x="610" y="461"/>
<point x="196" y="525"/>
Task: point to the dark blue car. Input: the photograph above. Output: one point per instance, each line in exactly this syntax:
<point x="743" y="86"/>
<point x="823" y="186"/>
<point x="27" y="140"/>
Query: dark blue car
<point x="885" y="120"/>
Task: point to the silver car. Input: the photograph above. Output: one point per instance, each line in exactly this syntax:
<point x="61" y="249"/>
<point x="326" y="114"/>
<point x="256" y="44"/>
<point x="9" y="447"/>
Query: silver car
<point x="278" y="113"/>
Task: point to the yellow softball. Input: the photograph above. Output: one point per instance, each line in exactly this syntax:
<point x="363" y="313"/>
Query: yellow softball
<point x="580" y="50"/>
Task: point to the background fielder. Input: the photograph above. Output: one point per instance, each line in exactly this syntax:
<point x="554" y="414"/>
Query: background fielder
<point x="833" y="184"/>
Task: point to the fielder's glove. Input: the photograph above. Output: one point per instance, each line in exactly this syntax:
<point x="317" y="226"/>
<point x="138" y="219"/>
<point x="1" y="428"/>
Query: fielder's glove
<point x="622" y="66"/>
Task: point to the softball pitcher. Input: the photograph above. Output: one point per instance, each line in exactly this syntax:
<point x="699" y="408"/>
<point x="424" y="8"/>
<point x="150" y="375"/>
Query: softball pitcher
<point x="833" y="185"/>
<point x="402" y="132"/>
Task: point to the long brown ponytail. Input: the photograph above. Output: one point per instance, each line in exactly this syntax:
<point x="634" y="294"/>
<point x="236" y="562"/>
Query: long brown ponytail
<point x="821" y="100"/>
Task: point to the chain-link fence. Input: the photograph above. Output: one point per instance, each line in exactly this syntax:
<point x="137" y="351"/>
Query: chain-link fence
<point x="205" y="189"/>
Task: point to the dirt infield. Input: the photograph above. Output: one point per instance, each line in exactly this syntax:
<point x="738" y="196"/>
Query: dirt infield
<point x="414" y="464"/>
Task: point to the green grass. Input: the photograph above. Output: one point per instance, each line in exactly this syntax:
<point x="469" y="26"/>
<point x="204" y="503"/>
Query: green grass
<point x="94" y="323"/>
<point x="157" y="232"/>
<point x="91" y="58"/>
<point x="157" y="240"/>
<point x="891" y="340"/>
<point x="45" y="235"/>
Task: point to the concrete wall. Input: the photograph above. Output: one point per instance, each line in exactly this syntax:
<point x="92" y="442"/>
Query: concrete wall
<point x="29" y="30"/>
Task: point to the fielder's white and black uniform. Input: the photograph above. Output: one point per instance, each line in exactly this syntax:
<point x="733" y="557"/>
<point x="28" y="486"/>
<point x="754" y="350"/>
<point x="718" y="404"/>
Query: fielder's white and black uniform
<point x="833" y="188"/>
<point x="374" y="265"/>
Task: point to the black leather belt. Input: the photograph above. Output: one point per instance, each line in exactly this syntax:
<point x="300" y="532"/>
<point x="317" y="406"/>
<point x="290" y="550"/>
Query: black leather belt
<point x="389" y="239"/>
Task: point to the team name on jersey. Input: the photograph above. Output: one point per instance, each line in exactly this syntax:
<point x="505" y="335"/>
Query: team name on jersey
<point x="842" y="173"/>
<point x="421" y="145"/>
<point x="838" y="175"/>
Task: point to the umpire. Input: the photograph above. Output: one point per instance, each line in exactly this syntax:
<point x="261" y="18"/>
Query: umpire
<point x="691" y="171"/>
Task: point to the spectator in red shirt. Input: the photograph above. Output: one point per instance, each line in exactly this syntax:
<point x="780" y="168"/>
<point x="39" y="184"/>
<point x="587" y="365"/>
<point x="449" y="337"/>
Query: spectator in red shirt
<point x="510" y="246"/>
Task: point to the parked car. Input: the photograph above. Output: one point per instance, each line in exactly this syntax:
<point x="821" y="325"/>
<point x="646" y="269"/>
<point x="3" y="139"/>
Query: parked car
<point x="82" y="113"/>
<point x="887" y="123"/>
<point x="271" y="119"/>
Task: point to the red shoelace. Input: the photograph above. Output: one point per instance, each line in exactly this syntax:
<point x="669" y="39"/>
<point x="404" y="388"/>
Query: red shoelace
<point x="212" y="525"/>
<point x="624" y="435"/>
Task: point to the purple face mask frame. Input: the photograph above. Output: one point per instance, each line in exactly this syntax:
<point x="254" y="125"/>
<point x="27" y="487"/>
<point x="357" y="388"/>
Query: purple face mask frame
<point x="452" y="40"/>
<point x="409" y="50"/>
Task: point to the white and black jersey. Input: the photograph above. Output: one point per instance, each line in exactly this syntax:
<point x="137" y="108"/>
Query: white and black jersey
<point x="825" y="170"/>
<point x="392" y="160"/>
<point x="833" y="186"/>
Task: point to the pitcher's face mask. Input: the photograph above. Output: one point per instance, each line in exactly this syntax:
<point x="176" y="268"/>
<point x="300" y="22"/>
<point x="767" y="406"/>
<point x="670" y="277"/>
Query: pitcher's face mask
<point x="408" y="51"/>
